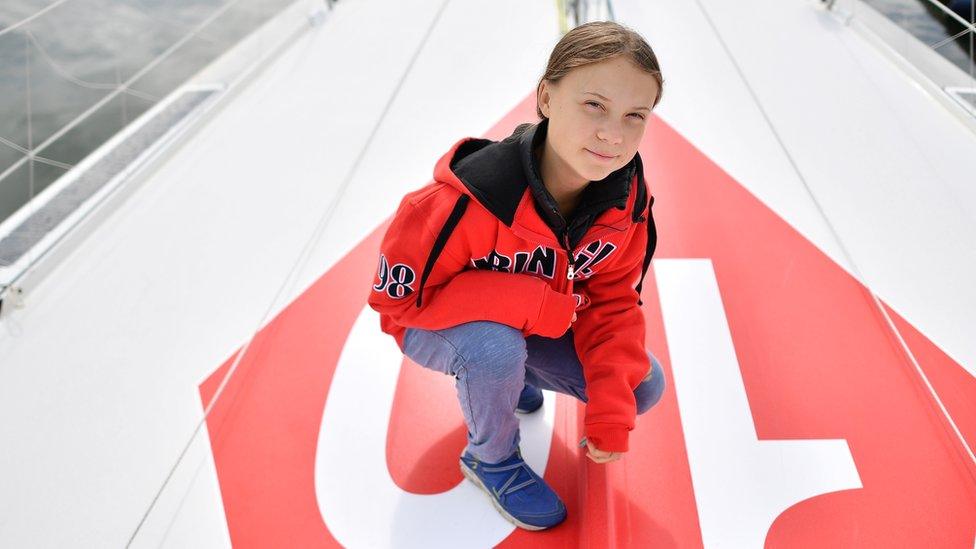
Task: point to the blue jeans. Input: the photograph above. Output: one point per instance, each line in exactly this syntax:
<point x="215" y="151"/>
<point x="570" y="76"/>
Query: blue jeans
<point x="491" y="362"/>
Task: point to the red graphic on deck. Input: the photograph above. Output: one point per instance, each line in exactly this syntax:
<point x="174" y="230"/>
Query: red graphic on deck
<point x="817" y="360"/>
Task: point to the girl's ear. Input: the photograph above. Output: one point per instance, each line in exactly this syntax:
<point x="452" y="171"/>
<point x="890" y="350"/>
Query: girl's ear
<point x="544" y="97"/>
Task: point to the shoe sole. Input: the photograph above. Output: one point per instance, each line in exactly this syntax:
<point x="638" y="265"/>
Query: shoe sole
<point x="524" y="411"/>
<point x="501" y="510"/>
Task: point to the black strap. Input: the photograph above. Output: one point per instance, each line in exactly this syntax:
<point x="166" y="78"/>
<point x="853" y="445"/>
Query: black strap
<point x="651" y="245"/>
<point x="446" y="230"/>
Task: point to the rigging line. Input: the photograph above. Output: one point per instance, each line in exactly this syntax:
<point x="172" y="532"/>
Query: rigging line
<point x="40" y="13"/>
<point x="301" y="261"/>
<point x="836" y="235"/>
<point x="31" y="206"/>
<point x="84" y="83"/>
<point x="37" y="158"/>
<point x="14" y="146"/>
<point x="125" y="85"/>
<point x="940" y="43"/>
<point x="953" y="15"/>
<point x="31" y="17"/>
<point x="54" y="163"/>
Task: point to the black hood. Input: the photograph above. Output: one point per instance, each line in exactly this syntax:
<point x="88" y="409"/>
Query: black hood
<point x="497" y="173"/>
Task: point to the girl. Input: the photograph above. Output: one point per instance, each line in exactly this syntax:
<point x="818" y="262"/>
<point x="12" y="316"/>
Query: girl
<point x="515" y="269"/>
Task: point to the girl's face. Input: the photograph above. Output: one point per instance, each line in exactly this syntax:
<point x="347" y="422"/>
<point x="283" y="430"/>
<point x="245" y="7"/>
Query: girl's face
<point x="597" y="115"/>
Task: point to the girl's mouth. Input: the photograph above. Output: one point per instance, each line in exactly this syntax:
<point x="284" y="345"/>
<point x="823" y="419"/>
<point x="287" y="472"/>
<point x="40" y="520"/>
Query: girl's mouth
<point x="600" y="156"/>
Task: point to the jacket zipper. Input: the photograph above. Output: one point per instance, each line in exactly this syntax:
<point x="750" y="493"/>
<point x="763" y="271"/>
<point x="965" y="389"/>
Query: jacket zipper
<point x="569" y="252"/>
<point x="567" y="285"/>
<point x="571" y="257"/>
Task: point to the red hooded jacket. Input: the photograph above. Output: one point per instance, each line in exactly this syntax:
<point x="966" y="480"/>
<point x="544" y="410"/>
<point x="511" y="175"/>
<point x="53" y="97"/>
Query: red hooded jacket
<point x="486" y="241"/>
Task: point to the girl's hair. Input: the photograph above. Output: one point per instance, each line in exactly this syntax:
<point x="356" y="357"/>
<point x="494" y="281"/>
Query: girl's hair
<point x="596" y="41"/>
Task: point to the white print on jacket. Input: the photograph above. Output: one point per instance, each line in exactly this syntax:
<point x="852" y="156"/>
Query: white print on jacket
<point x="542" y="260"/>
<point x="395" y="281"/>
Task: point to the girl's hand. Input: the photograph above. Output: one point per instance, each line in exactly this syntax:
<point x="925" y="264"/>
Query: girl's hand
<point x="600" y="456"/>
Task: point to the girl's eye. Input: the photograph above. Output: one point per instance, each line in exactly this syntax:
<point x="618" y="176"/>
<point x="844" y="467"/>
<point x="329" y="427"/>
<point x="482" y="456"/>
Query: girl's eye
<point x="641" y="117"/>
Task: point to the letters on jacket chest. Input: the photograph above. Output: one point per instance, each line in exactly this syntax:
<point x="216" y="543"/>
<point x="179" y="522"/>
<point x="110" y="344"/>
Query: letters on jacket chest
<point x="542" y="260"/>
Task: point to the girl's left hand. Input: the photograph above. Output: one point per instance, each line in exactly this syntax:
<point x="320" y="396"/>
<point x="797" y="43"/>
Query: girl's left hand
<point x="600" y="456"/>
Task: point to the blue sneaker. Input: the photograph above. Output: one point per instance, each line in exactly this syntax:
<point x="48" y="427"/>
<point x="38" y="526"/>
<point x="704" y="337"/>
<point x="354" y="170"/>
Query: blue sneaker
<point x="519" y="494"/>
<point x="530" y="400"/>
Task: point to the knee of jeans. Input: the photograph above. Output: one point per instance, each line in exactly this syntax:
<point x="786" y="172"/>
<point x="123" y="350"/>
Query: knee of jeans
<point x="494" y="349"/>
<point x="650" y="390"/>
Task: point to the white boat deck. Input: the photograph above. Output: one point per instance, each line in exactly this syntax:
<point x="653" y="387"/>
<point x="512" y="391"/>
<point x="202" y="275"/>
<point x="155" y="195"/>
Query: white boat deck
<point x="795" y="180"/>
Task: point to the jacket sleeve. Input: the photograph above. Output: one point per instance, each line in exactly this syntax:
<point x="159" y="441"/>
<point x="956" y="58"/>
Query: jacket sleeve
<point x="609" y="339"/>
<point x="456" y="292"/>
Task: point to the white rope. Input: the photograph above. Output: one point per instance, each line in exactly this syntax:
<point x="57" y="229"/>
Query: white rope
<point x="31" y="206"/>
<point x="85" y="83"/>
<point x="940" y="43"/>
<point x="125" y="85"/>
<point x="969" y="26"/>
<point x="64" y="73"/>
<point x="37" y="158"/>
<point x="32" y="17"/>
